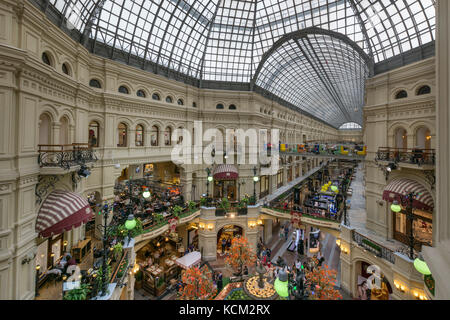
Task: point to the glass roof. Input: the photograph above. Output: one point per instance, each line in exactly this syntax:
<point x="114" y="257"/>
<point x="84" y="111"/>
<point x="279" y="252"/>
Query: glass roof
<point x="225" y="40"/>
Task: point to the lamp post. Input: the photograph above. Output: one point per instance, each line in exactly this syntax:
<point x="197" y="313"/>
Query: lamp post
<point x="208" y="180"/>
<point x="407" y="201"/>
<point x="255" y="180"/>
<point x="344" y="188"/>
<point x="105" y="211"/>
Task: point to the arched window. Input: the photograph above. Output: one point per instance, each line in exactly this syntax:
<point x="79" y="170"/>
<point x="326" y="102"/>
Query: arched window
<point x="94" y="130"/>
<point x="194" y="105"/>
<point x="94" y="83"/>
<point x="64" y="131"/>
<point x="156" y="96"/>
<point x="168" y="136"/>
<point x="46" y="58"/>
<point x="401" y="94"/>
<point x="423" y="90"/>
<point x="139" y="136"/>
<point x="44" y="129"/>
<point x="141" y="93"/>
<point x="180" y="102"/>
<point x="122" y="135"/>
<point x="124" y="90"/>
<point x="169" y="99"/>
<point x="180" y="135"/>
<point x="154" y="136"/>
<point x="423" y="138"/>
<point x="66" y="69"/>
<point x="220" y="106"/>
<point x="401" y="138"/>
<point x="232" y="107"/>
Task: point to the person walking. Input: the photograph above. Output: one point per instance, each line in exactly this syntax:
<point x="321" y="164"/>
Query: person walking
<point x="219" y="282"/>
<point x="268" y="253"/>
<point x="286" y="233"/>
<point x="224" y="243"/>
<point x="228" y="244"/>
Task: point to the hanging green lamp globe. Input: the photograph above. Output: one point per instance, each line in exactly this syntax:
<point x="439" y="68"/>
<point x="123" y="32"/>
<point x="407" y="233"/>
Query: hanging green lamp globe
<point x="334" y="188"/>
<point x="130" y="224"/>
<point x="210" y="179"/>
<point x="422" y="267"/>
<point x="396" y="207"/>
<point x="281" y="284"/>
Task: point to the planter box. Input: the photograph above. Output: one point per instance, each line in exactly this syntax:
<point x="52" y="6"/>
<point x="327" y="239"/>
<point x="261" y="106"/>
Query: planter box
<point x="220" y="212"/>
<point x="242" y="211"/>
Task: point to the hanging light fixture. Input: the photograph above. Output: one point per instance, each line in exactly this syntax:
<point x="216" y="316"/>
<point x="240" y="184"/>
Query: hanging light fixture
<point x="146" y="194"/>
<point x="395" y="207"/>
<point x="422" y="267"/>
<point x="130" y="224"/>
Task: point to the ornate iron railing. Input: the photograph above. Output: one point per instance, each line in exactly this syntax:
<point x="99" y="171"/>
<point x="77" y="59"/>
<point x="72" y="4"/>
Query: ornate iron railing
<point x="413" y="156"/>
<point x="65" y="156"/>
<point x="377" y="249"/>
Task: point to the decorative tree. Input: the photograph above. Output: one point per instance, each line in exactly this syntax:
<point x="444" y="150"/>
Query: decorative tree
<point x="321" y="281"/>
<point x="240" y="254"/>
<point x="198" y="285"/>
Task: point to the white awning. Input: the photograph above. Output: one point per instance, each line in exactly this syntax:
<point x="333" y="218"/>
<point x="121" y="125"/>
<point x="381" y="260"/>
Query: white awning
<point x="189" y="260"/>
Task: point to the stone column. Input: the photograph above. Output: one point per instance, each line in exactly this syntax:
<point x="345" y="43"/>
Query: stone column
<point x="438" y="256"/>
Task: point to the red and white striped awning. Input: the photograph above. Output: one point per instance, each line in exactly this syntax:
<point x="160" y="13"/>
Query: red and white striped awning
<point x="226" y="172"/>
<point x="62" y="211"/>
<point x="401" y="187"/>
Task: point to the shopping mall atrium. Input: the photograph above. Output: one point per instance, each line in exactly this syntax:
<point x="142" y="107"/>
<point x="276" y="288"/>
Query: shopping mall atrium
<point x="224" y="150"/>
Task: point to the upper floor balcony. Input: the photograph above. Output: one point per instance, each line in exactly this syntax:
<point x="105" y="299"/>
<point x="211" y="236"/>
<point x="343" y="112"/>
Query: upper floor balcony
<point x="57" y="159"/>
<point x="408" y="158"/>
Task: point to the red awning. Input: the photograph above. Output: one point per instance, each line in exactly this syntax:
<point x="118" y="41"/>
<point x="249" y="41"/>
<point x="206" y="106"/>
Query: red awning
<point x="226" y="172"/>
<point x="400" y="187"/>
<point x="62" y="211"/>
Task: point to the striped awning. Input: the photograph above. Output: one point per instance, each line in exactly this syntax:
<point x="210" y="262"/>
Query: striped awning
<point x="401" y="187"/>
<point x="225" y="172"/>
<point x="62" y="211"/>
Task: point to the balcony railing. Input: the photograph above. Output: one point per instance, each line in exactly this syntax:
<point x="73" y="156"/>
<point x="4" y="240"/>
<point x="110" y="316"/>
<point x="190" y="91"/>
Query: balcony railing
<point x="310" y="213"/>
<point x="412" y="156"/>
<point x="377" y="249"/>
<point x="65" y="156"/>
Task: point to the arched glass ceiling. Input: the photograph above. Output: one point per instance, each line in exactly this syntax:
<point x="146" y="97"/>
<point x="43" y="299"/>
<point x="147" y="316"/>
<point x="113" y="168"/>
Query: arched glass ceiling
<point x="224" y="40"/>
<point x="350" y="126"/>
<point x="320" y="74"/>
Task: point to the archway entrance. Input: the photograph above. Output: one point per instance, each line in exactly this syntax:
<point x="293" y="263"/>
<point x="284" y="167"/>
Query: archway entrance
<point x="365" y="273"/>
<point x="226" y="235"/>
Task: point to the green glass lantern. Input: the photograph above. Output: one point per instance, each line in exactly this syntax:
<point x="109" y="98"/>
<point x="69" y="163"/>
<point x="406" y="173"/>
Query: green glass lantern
<point x="395" y="207"/>
<point x="422" y="267"/>
<point x="334" y="188"/>
<point x="210" y="179"/>
<point x="130" y="224"/>
<point x="281" y="284"/>
<point x="255" y="179"/>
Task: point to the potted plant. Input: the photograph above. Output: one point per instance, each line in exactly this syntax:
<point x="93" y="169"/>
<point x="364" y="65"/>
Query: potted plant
<point x="176" y="211"/>
<point x="224" y="205"/>
<point x="252" y="200"/>
<point x="203" y="202"/>
<point x="78" y="294"/>
<point x="117" y="251"/>
<point x="192" y="206"/>
<point x="242" y="207"/>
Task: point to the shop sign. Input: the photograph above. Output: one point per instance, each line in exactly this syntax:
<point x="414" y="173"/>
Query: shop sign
<point x="296" y="219"/>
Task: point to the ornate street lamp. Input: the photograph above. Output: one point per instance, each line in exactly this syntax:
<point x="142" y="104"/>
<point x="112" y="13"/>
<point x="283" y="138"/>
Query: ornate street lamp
<point x="209" y="179"/>
<point x="255" y="180"/>
<point x="408" y="202"/>
<point x="130" y="224"/>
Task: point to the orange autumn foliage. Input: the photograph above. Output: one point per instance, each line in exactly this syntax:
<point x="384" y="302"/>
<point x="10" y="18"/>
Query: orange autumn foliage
<point x="323" y="280"/>
<point x="198" y="285"/>
<point x="240" y="254"/>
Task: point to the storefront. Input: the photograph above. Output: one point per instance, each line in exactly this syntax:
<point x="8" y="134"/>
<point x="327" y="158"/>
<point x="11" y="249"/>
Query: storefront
<point x="156" y="261"/>
<point x="422" y="208"/>
<point x="264" y="186"/>
<point x="227" y="233"/>
<point x="225" y="181"/>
